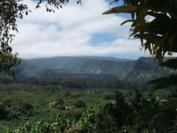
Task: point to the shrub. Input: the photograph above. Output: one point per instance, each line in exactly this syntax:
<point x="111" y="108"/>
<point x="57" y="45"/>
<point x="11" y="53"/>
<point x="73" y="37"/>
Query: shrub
<point x="26" y="109"/>
<point x="80" y="104"/>
<point x="109" y="97"/>
<point x="60" y="101"/>
<point x="67" y="94"/>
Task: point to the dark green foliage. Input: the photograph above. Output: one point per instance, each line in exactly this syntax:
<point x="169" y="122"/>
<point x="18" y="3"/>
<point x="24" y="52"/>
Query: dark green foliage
<point x="141" y="115"/>
<point x="80" y="104"/>
<point x="165" y="82"/>
<point x="8" y="63"/>
<point x="128" y="113"/>
<point x="170" y="63"/>
<point x="67" y="94"/>
<point x="121" y="111"/>
<point x="157" y="35"/>
<point x="10" y="11"/>
<point x="60" y="101"/>
<point x="111" y="118"/>
<point x="3" y="112"/>
<point x="26" y="109"/>
<point x="109" y="97"/>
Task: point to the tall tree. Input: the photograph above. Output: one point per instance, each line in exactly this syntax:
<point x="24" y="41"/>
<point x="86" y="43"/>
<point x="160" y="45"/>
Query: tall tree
<point x="154" y="22"/>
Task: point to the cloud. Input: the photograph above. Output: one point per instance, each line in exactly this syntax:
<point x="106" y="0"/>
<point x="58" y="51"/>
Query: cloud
<point x="71" y="32"/>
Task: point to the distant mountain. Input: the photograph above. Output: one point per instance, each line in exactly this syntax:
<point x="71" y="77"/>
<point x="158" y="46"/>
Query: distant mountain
<point x="92" y="65"/>
<point x="143" y="68"/>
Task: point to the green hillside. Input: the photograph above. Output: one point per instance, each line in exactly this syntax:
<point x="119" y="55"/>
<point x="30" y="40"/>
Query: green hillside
<point x="94" y="65"/>
<point x="122" y="68"/>
<point x="144" y="69"/>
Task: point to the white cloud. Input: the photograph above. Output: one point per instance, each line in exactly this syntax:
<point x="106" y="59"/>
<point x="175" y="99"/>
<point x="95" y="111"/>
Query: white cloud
<point x="68" y="32"/>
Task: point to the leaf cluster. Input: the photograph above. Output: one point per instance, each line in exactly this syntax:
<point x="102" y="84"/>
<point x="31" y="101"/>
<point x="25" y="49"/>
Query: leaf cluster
<point x="154" y="23"/>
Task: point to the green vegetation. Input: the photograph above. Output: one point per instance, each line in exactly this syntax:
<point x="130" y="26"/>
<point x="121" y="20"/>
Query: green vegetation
<point x="86" y="111"/>
<point x="87" y="103"/>
<point x="81" y="72"/>
<point x="158" y="34"/>
<point x="17" y="108"/>
<point x="155" y="25"/>
<point x="90" y="66"/>
<point x="51" y="109"/>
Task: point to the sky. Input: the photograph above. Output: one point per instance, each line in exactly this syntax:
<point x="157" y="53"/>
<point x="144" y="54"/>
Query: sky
<point x="75" y="30"/>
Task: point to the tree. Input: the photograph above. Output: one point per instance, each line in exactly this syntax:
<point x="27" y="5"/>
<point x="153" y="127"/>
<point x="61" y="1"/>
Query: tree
<point x="10" y="11"/>
<point x="154" y="22"/>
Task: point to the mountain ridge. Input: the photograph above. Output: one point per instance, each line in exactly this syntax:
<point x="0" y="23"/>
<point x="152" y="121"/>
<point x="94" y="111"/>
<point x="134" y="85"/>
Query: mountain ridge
<point x="92" y="65"/>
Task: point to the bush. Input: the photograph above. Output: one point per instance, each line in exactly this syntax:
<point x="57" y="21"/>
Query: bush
<point x="109" y="97"/>
<point x="67" y="94"/>
<point x="60" y="101"/>
<point x="3" y="112"/>
<point x="61" y="107"/>
<point x="26" y="109"/>
<point x="80" y="104"/>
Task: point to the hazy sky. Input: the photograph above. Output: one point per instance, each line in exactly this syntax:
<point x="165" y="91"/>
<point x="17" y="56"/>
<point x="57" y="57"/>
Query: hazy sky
<point x="75" y="30"/>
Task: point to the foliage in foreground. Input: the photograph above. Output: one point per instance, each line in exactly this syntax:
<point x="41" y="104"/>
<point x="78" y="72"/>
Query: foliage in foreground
<point x="142" y="114"/>
<point x="154" y="23"/>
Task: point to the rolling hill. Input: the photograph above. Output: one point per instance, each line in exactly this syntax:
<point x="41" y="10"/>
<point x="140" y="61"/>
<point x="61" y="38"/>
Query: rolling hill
<point x="92" y="65"/>
<point x="142" y="68"/>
